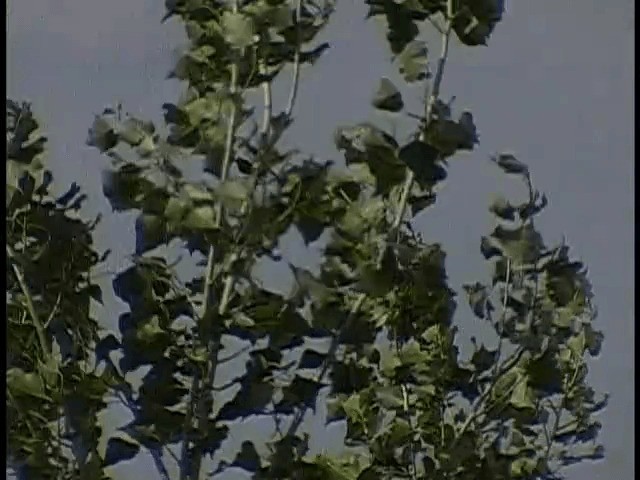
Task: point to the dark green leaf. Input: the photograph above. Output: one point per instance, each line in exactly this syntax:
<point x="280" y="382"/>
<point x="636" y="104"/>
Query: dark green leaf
<point x="301" y="391"/>
<point x="420" y="202"/>
<point x="247" y="458"/>
<point x="308" y="286"/>
<point x="478" y="297"/>
<point x="422" y="158"/>
<point x="310" y="228"/>
<point x="311" y="359"/>
<point x="502" y="209"/>
<point x="102" y="135"/>
<point x="510" y="164"/>
<point x="126" y="187"/>
<point x="388" y="97"/>
<point x="483" y="359"/>
<point x="151" y="231"/>
<point x="120" y="450"/>
<point x="21" y="383"/>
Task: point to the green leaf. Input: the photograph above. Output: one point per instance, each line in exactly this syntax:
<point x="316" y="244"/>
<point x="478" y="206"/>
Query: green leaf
<point x="126" y="187"/>
<point x="413" y="61"/>
<point x="239" y="29"/>
<point x="146" y="147"/>
<point x="524" y="467"/>
<point x="422" y="159"/>
<point x="233" y="192"/>
<point x="389" y="361"/>
<point x="577" y="344"/>
<point x="483" y="359"/>
<point x="449" y="136"/>
<point x="21" y="383"/>
<point x="352" y="408"/>
<point x="475" y="20"/>
<point x="306" y="285"/>
<point x="248" y="458"/>
<point x="200" y="218"/>
<point x="362" y="215"/>
<point x="388" y="97"/>
<point x="151" y="231"/>
<point x="522" y="395"/>
<point x="134" y="131"/>
<point x="501" y="208"/>
<point x="389" y="397"/>
<point x="420" y="202"/>
<point x="522" y="245"/>
<point x="505" y="383"/>
<point x="176" y="209"/>
<point x="102" y="135"/>
<point x="120" y="450"/>
<point x="510" y="164"/>
<point x="478" y="298"/>
<point x="593" y="339"/>
<point x="310" y="227"/>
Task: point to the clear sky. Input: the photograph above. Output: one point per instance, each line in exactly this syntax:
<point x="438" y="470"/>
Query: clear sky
<point x="554" y="86"/>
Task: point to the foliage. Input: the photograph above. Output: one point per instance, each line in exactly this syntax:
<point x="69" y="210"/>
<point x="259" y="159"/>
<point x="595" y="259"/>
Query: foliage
<point x="380" y="298"/>
<point x="53" y="393"/>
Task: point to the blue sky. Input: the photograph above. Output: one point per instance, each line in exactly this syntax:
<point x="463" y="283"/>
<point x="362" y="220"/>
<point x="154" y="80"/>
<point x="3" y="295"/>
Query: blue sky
<point x="554" y="86"/>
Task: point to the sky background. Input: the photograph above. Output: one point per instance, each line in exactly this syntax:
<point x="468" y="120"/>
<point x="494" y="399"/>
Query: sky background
<point x="554" y="86"/>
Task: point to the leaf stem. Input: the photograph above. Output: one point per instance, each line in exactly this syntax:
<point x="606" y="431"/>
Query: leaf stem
<point x="435" y="92"/>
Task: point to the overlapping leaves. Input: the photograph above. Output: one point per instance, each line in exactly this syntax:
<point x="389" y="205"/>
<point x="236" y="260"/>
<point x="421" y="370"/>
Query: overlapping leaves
<point x="50" y="331"/>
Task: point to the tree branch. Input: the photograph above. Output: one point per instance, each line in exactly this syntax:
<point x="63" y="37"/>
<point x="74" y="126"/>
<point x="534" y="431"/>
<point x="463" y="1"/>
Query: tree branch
<point x="37" y="323"/>
<point x="335" y="343"/>
<point x="203" y="390"/>
<point x="435" y="92"/>
<point x="293" y="93"/>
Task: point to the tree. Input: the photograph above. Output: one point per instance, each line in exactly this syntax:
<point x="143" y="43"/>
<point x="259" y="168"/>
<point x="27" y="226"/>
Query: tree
<point x="379" y="299"/>
<point x="53" y="392"/>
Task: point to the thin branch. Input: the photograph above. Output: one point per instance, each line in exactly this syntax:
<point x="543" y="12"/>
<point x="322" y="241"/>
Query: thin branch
<point x="335" y="343"/>
<point x="435" y="92"/>
<point x="266" y="94"/>
<point x="293" y="93"/>
<point x="557" y="412"/>
<point x="54" y="310"/>
<point x="502" y="317"/>
<point x="156" y="454"/>
<point x="40" y="329"/>
<point x="199" y="390"/>
<point x="476" y="411"/>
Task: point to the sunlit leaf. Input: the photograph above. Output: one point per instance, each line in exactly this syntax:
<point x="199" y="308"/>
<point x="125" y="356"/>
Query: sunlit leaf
<point x="413" y="61"/>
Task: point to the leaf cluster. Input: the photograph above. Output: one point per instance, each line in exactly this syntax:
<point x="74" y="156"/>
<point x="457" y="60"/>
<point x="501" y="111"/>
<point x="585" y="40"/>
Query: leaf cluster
<point x="53" y="392"/>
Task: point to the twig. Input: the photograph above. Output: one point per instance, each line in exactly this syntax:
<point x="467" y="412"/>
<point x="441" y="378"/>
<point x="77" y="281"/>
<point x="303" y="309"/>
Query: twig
<point x="557" y="412"/>
<point x="435" y="92"/>
<point x="293" y="93"/>
<point x="54" y="310"/>
<point x="156" y="455"/>
<point x="266" y="94"/>
<point x="476" y="411"/>
<point x="502" y="317"/>
<point x="335" y="343"/>
<point x="40" y="329"/>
